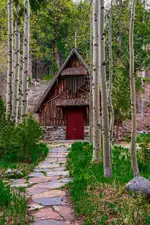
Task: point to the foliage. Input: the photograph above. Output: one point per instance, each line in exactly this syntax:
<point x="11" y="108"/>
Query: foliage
<point x="5" y="195"/>
<point x="47" y="77"/>
<point x="144" y="144"/>
<point x="54" y="35"/>
<point x="120" y="44"/>
<point x="103" y="200"/>
<point x="22" y="143"/>
<point x="13" y="206"/>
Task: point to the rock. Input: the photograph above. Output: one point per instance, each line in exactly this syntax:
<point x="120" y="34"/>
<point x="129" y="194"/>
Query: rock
<point x="139" y="185"/>
<point x="11" y="173"/>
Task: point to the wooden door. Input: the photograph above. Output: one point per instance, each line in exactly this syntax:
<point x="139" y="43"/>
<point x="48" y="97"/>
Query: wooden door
<point x="75" y="124"/>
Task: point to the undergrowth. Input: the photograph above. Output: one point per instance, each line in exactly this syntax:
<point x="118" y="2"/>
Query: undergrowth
<point x="13" y="207"/>
<point x="102" y="200"/>
<point x="20" y="145"/>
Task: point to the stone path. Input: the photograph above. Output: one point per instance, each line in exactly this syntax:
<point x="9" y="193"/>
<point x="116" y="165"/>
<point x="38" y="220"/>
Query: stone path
<point x="49" y="202"/>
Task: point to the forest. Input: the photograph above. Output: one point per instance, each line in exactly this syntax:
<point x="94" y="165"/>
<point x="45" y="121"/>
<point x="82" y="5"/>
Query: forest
<point x="104" y="178"/>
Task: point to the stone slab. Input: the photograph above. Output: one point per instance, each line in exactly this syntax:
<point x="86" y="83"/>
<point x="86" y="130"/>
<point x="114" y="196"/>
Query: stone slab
<point x="36" y="190"/>
<point x="52" y="193"/>
<point x="42" y="179"/>
<point x="47" y="165"/>
<point x="65" y="212"/>
<point x="35" y="174"/>
<point x="58" y="173"/>
<point x="51" y="185"/>
<point x="46" y="214"/>
<point x="34" y="206"/>
<point x="62" y="168"/>
<point x="51" y="201"/>
<point x="49" y="222"/>
<point x="42" y="170"/>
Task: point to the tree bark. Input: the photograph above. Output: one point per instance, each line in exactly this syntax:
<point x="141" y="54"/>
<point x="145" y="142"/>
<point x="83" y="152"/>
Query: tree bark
<point x="15" y="102"/>
<point x="105" y="117"/>
<point x="10" y="60"/>
<point x="133" y="92"/>
<point x="25" y="77"/>
<point x="111" y="110"/>
<point x="90" y="96"/>
<point x="95" y="87"/>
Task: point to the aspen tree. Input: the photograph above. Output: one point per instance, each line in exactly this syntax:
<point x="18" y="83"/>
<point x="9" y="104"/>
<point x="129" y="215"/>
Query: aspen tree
<point x="15" y="100"/>
<point x="90" y="96"/>
<point x="25" y="76"/>
<point x="105" y="117"/>
<point x="10" y="60"/>
<point x="111" y="111"/>
<point x="133" y="92"/>
<point x="95" y="87"/>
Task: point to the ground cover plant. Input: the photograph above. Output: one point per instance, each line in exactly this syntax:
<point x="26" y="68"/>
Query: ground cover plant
<point x="13" y="206"/>
<point x="20" y="146"/>
<point x="102" y="200"/>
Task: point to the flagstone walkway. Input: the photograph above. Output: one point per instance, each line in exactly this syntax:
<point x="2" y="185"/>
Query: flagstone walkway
<point x="49" y="202"/>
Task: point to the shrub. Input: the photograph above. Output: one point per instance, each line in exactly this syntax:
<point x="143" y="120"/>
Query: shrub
<point x="21" y="143"/>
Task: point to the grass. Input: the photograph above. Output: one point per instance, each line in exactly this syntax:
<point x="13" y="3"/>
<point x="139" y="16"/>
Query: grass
<point x="146" y="79"/>
<point x="100" y="200"/>
<point x="13" y="206"/>
<point x="24" y="167"/>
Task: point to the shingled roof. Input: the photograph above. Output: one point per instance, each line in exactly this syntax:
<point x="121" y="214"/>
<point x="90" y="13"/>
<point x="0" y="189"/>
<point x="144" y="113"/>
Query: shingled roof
<point x="73" y="51"/>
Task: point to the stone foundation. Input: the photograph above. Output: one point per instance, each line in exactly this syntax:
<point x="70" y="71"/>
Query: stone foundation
<point x="87" y="133"/>
<point x="53" y="133"/>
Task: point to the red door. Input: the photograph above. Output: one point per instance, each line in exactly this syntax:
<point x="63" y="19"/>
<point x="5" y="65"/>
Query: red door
<point x="75" y="124"/>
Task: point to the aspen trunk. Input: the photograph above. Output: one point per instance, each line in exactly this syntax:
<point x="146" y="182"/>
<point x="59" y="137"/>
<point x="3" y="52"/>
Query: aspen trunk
<point x="15" y="102"/>
<point x="133" y="92"/>
<point x="10" y="61"/>
<point x="111" y="111"/>
<point x="90" y="96"/>
<point x="95" y="87"/>
<point x="99" y="79"/>
<point x="105" y="117"/>
<point x="25" y="76"/>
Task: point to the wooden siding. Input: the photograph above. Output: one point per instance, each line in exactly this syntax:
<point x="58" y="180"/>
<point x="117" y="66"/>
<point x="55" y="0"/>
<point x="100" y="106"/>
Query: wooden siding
<point x="66" y="89"/>
<point x="51" y="114"/>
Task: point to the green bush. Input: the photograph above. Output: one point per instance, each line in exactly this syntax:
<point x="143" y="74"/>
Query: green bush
<point x="21" y="143"/>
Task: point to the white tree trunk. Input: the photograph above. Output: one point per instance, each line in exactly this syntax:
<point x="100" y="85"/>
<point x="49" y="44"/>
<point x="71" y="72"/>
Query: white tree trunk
<point x="91" y="66"/>
<point x="99" y="78"/>
<point x="105" y="117"/>
<point x="25" y="76"/>
<point x="111" y="111"/>
<point x="10" y="60"/>
<point x="95" y="86"/>
<point x="133" y="92"/>
<point x="15" y="102"/>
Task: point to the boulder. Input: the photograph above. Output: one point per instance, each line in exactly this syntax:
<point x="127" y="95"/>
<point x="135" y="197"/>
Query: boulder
<point x="139" y="185"/>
